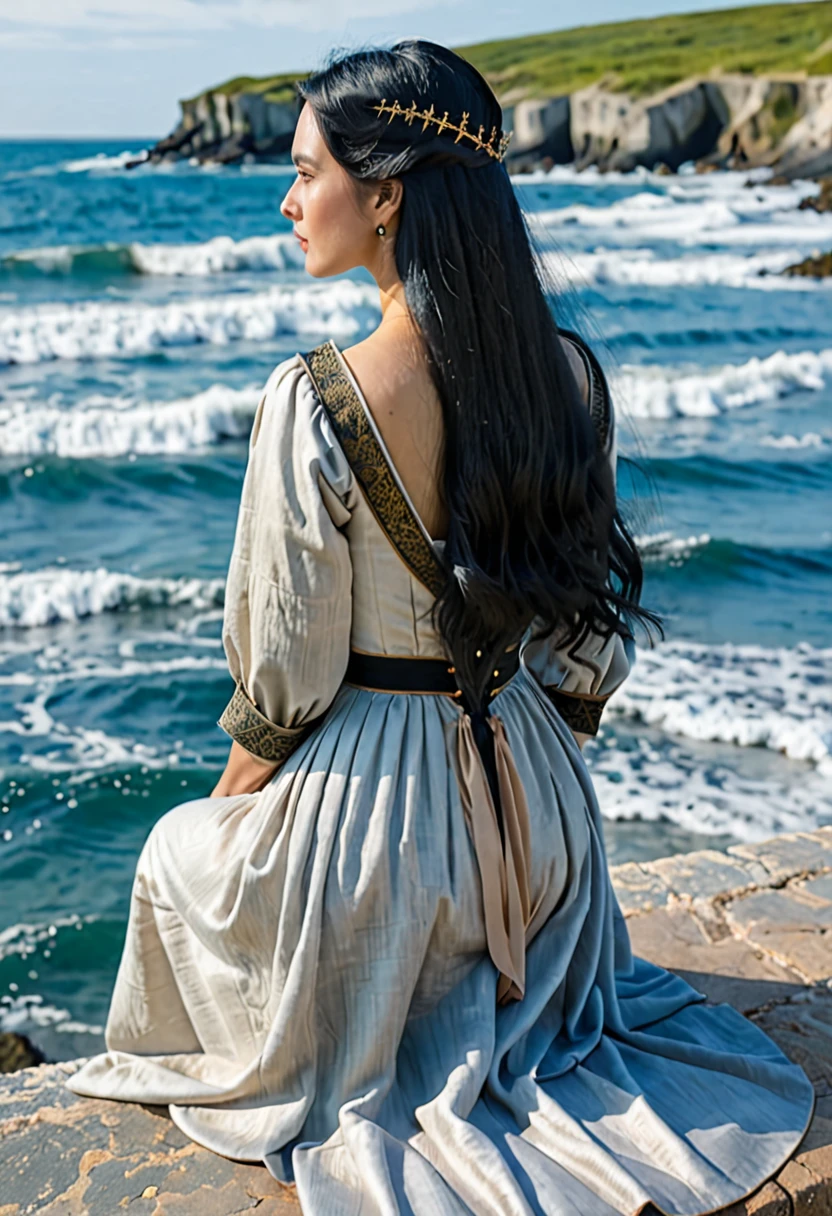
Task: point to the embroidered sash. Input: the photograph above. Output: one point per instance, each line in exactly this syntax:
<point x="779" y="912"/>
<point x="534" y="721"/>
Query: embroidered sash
<point x="355" y="433"/>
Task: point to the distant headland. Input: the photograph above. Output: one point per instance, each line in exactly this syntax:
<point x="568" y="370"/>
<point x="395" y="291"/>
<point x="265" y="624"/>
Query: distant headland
<point x="736" y="88"/>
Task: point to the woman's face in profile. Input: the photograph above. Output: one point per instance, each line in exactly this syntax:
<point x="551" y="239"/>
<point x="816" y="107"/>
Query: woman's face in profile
<point x="333" y="214"/>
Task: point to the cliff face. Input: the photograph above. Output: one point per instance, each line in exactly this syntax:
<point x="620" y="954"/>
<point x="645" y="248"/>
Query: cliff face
<point x="732" y="121"/>
<point x="224" y="127"/>
<point x="736" y="120"/>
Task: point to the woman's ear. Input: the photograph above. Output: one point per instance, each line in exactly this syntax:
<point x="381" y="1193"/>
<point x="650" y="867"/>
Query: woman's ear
<point x="389" y="196"/>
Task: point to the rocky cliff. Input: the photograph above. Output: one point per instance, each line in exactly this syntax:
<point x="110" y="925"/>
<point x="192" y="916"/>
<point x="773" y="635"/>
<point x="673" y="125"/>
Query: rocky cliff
<point x="735" y="120"/>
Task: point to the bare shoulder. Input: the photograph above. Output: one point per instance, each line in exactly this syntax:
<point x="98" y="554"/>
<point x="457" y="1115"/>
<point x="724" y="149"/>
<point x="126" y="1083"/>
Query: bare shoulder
<point x="394" y="380"/>
<point x="388" y="370"/>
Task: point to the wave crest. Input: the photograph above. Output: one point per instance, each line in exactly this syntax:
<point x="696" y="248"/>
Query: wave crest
<point x="33" y="598"/>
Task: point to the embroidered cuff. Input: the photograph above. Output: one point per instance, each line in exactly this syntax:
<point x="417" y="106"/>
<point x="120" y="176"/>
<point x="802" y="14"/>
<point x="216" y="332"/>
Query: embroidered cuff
<point x="242" y="720"/>
<point x="580" y="711"/>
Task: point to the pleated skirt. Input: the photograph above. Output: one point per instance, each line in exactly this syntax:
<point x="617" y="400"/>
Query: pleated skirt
<point x="305" y="982"/>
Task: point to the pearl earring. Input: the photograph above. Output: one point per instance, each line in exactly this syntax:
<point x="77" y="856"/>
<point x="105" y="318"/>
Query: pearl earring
<point x="381" y="230"/>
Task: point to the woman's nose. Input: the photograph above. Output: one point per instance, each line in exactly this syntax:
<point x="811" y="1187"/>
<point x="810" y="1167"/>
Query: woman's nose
<point x="288" y="207"/>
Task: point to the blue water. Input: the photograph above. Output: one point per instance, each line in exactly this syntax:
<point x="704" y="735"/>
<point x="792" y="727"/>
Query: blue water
<point x="140" y="312"/>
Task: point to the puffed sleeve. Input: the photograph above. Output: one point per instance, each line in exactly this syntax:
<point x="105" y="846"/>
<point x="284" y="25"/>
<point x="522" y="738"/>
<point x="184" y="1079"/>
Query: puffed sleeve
<point x="580" y="680"/>
<point x="288" y="603"/>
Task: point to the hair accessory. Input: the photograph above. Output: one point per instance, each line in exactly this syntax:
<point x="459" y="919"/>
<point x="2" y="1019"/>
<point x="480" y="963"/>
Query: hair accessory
<point x="428" y="116"/>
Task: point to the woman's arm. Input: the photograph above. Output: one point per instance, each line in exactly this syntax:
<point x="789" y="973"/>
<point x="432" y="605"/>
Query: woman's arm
<point x="243" y="774"/>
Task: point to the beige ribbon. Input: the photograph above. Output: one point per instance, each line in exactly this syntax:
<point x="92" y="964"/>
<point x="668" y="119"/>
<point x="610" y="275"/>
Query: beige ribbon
<point x="504" y="863"/>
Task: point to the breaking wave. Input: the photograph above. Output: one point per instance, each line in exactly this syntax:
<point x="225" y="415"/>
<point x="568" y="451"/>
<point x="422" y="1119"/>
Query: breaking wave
<point x="34" y="598"/>
<point x="747" y="695"/>
<point x="218" y="256"/>
<point x="106" y="427"/>
<point x="99" y="330"/>
<point x="668" y="392"/>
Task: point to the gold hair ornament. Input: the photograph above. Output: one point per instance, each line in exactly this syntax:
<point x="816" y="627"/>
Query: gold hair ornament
<point x="428" y="116"/>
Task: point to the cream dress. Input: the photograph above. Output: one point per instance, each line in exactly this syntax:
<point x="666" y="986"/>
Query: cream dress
<point x="311" y="973"/>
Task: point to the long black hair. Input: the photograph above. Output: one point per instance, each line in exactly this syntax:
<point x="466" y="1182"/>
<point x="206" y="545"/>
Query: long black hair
<point x="534" y="529"/>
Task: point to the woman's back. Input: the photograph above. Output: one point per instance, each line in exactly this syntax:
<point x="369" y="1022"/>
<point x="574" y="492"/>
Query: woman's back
<point x="393" y="378"/>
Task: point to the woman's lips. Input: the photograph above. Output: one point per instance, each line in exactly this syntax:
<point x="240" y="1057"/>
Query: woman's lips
<point x="304" y="244"/>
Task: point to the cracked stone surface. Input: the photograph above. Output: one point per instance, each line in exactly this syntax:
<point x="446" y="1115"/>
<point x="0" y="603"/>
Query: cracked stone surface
<point x="752" y="926"/>
<point x="61" y="1155"/>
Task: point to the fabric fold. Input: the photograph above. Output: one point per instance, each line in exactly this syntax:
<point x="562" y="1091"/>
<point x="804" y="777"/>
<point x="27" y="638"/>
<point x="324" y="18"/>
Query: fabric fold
<point x="503" y="859"/>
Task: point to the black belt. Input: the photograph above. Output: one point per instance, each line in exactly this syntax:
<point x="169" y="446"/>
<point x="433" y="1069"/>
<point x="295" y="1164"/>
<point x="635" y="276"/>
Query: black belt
<point x="411" y="674"/>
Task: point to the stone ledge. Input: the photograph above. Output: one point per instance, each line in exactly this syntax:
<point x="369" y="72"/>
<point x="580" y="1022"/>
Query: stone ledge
<point x="61" y="1155"/>
<point x="752" y="927"/>
<point x="709" y="874"/>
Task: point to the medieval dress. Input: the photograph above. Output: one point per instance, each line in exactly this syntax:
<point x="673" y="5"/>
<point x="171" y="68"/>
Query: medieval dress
<point x="364" y="978"/>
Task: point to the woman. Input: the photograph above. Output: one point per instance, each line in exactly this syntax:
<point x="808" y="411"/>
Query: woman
<point x="385" y="958"/>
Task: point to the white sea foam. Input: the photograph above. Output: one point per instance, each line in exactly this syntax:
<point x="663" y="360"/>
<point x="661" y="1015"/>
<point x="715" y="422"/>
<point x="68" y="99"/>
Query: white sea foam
<point x="789" y="442"/>
<point x="44" y="597"/>
<point x="748" y="695"/>
<point x="24" y="1014"/>
<point x="743" y="217"/>
<point x="101" y="162"/>
<point x="220" y="255"/>
<point x="668" y="392"/>
<point x="25" y="938"/>
<point x="99" y="330"/>
<point x="104" y="427"/>
<point x="644" y="267"/>
<point x="108" y="427"/>
<point x="665" y="547"/>
<point x="749" y="796"/>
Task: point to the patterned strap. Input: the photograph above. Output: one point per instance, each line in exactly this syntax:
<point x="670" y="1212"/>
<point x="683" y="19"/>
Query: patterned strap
<point x="580" y="711"/>
<point x="600" y="401"/>
<point x="257" y="734"/>
<point x="325" y="366"/>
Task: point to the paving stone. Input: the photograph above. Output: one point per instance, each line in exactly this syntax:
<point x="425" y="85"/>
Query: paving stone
<point x="771" y="1200"/>
<point x="98" y="1158"/>
<point x="818" y="887"/>
<point x="802" y="1028"/>
<point x="788" y="923"/>
<point x="730" y="970"/>
<point x="785" y="856"/>
<point x="809" y="1195"/>
<point x="707" y="873"/>
<point x="636" y="889"/>
<point x="819" y="1135"/>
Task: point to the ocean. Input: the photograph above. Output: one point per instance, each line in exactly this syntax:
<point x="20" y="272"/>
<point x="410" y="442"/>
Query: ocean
<point x="140" y="313"/>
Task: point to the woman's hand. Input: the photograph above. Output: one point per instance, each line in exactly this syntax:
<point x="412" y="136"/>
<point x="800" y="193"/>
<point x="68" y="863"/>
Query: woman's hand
<point x="243" y="774"/>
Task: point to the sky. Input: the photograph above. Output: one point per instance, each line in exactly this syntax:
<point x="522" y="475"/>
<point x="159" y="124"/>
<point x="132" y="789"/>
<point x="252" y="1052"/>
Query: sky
<point x="116" y="68"/>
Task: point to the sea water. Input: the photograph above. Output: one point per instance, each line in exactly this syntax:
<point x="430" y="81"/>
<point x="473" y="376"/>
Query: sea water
<point x="141" y="312"/>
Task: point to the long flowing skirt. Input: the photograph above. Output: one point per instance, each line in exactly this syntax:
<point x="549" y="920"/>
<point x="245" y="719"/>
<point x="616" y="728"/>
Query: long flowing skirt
<point x="305" y="982"/>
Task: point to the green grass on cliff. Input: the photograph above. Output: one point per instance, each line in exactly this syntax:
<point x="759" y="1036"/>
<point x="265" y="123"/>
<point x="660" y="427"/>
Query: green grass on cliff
<point x="642" y="57"/>
<point x="638" y="57"/>
<point x="274" y="88"/>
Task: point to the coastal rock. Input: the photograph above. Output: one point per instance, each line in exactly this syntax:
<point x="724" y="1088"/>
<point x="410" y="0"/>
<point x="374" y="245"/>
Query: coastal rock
<point x="822" y="201"/>
<point x="18" y="1051"/>
<point x="806" y="148"/>
<point x="816" y="266"/>
<point x="540" y="130"/>
<point x="731" y="120"/>
<point x="225" y="127"/>
<point x="615" y="131"/>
